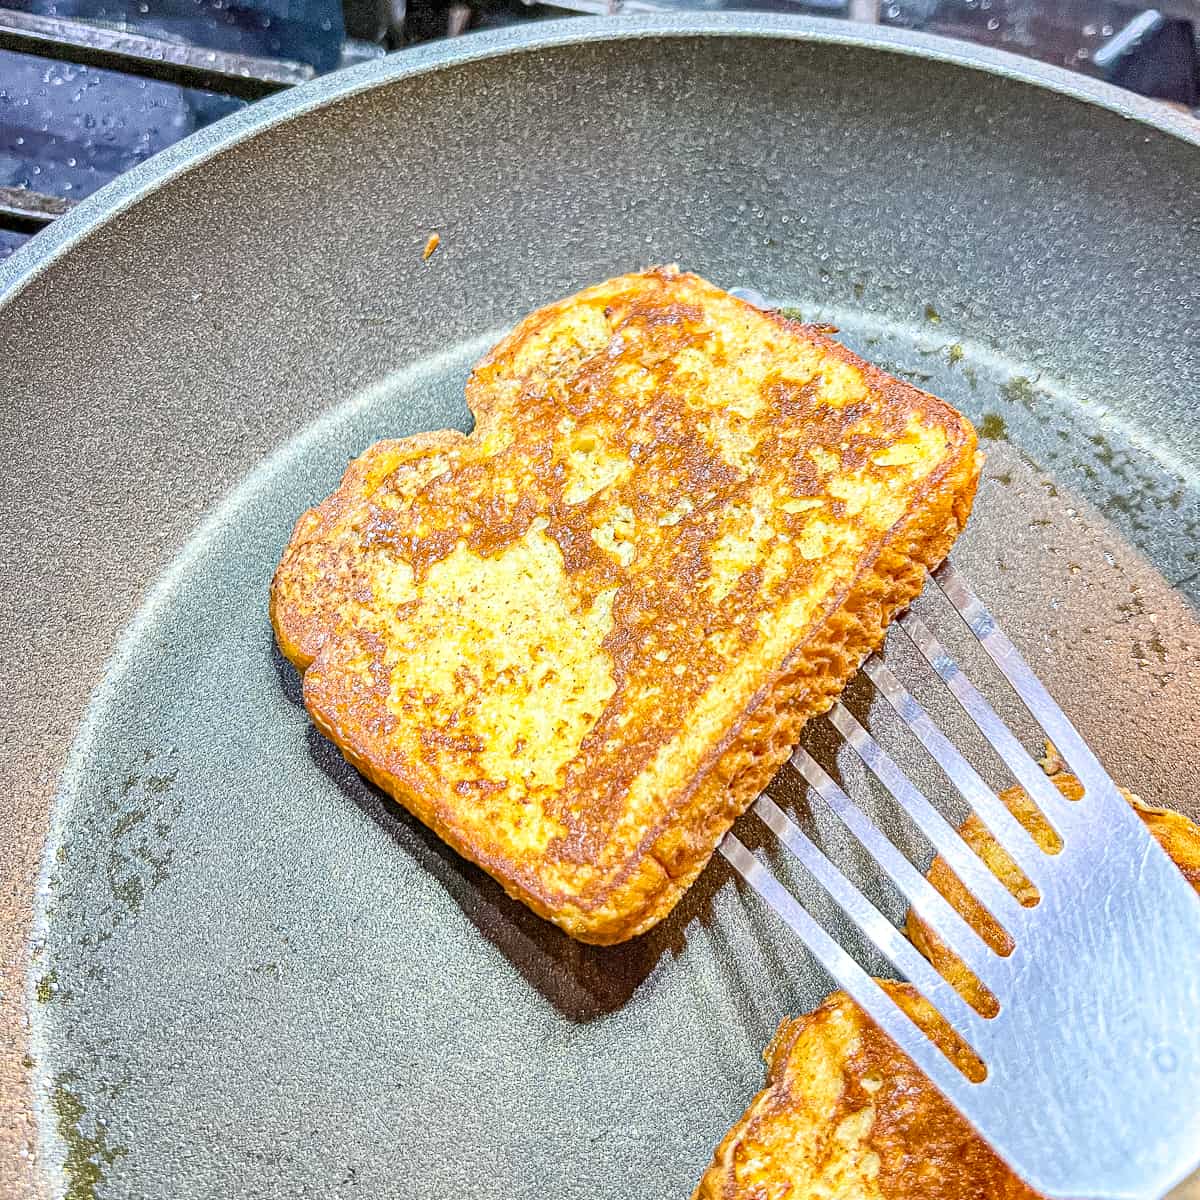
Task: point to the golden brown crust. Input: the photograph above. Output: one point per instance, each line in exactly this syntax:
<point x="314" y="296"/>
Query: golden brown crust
<point x="302" y="627"/>
<point x="711" y="514"/>
<point x="845" y="1113"/>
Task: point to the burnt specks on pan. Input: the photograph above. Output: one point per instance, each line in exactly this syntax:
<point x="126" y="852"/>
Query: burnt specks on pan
<point x="570" y="615"/>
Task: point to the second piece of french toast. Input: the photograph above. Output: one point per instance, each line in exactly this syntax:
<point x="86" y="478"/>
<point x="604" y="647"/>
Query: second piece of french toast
<point x="846" y="1114"/>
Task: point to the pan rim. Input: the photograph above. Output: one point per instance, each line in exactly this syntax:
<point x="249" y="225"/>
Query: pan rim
<point x="46" y="248"/>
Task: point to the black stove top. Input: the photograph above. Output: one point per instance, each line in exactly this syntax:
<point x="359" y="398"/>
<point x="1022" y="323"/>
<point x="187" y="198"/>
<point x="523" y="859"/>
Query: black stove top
<point x="81" y="100"/>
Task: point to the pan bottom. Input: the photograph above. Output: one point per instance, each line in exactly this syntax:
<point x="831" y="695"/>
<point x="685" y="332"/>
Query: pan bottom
<point x="255" y="974"/>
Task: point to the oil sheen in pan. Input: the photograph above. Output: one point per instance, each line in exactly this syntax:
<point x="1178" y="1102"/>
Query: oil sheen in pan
<point x="256" y="976"/>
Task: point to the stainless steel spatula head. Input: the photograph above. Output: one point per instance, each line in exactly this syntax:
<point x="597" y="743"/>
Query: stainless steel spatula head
<point x="1092" y="1084"/>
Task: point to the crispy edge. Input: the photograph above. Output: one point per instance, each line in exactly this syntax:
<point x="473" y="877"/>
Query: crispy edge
<point x="719" y="1181"/>
<point x="481" y="397"/>
<point x="304" y="616"/>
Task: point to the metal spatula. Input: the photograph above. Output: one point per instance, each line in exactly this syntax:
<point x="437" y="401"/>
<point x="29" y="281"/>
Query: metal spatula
<point x="1093" y="1061"/>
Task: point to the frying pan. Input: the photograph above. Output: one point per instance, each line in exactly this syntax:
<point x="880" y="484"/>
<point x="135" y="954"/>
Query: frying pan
<point x="233" y="969"/>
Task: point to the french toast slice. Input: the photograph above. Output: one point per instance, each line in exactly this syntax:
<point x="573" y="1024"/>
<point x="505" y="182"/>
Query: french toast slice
<point x="577" y="642"/>
<point x="846" y="1114"/>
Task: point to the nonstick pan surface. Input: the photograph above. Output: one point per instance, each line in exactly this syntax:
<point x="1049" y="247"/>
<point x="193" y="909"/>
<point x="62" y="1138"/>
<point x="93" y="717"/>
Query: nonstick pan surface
<point x="237" y="970"/>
